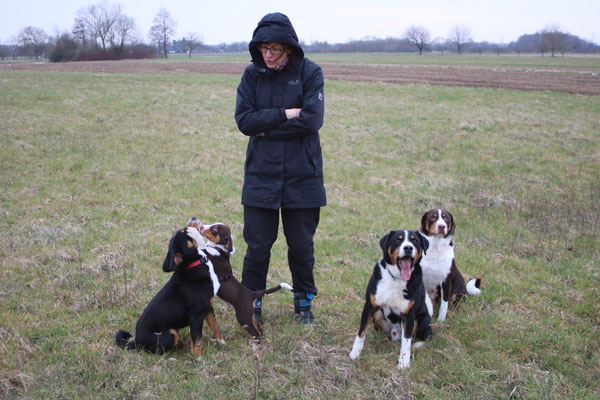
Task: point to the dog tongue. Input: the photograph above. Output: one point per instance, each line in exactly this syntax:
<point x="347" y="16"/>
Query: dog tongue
<point x="405" y="264"/>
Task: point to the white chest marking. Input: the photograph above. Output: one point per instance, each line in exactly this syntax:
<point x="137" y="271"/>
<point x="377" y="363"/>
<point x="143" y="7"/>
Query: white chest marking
<point x="437" y="262"/>
<point x="390" y="291"/>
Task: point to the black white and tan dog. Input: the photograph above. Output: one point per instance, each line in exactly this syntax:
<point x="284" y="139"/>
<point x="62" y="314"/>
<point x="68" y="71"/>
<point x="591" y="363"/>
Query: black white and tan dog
<point x="185" y="300"/>
<point x="219" y="247"/>
<point x="395" y="296"/>
<point x="441" y="277"/>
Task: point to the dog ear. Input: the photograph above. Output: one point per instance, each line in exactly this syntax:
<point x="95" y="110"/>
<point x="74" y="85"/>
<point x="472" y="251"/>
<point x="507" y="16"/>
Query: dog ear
<point x="167" y="264"/>
<point x="424" y="242"/>
<point x="451" y="231"/>
<point x="229" y="244"/>
<point x="424" y="222"/>
<point x="383" y="241"/>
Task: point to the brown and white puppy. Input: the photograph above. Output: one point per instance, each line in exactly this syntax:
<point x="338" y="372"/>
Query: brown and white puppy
<point x="220" y="248"/>
<point x="441" y="277"/>
<point x="395" y="294"/>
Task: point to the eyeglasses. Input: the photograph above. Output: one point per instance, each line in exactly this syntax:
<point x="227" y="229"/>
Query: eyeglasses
<point x="274" y="50"/>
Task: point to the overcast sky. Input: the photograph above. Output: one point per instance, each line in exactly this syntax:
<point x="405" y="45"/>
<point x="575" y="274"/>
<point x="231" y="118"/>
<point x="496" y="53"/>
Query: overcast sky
<point x="334" y="21"/>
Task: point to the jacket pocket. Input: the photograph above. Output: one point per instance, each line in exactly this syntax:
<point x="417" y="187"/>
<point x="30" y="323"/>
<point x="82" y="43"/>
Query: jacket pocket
<point x="250" y="153"/>
<point x="313" y="154"/>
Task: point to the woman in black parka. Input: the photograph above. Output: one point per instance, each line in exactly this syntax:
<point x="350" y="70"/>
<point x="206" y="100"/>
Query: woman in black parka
<point x="280" y="106"/>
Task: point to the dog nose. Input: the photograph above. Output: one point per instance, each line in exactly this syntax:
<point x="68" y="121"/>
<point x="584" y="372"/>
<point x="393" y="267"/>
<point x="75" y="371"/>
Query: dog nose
<point x="408" y="249"/>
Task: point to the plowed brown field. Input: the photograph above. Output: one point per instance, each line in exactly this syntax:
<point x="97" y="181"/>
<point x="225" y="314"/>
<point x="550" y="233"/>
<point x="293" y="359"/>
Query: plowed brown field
<point x="570" y="80"/>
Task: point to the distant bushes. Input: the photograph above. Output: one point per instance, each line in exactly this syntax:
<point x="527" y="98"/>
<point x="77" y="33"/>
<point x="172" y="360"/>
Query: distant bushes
<point x="68" y="49"/>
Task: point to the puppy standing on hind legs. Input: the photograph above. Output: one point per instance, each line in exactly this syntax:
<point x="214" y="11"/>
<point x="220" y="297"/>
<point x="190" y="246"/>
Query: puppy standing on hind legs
<point x="441" y="277"/>
<point x="220" y="248"/>
<point x="396" y="291"/>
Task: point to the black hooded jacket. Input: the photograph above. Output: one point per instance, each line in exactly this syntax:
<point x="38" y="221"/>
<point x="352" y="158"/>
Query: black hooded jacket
<point x="284" y="165"/>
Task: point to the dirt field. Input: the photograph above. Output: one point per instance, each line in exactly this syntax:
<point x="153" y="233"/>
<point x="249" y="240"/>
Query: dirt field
<point x="579" y="81"/>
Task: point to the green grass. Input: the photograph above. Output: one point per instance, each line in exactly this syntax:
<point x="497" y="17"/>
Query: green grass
<point x="97" y="171"/>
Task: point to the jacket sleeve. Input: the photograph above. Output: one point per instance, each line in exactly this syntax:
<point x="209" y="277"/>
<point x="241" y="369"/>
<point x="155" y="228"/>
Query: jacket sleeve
<point x="251" y="121"/>
<point x="311" y="116"/>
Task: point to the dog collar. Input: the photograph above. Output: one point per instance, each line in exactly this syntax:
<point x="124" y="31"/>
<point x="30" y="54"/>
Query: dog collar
<point x="196" y="263"/>
<point x="226" y="277"/>
<point x="384" y="265"/>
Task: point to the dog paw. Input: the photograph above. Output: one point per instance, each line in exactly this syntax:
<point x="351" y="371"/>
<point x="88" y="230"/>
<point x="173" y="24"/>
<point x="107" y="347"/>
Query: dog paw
<point x="354" y="355"/>
<point x="195" y="235"/>
<point x="404" y="361"/>
<point x="222" y="342"/>
<point x="418" y="344"/>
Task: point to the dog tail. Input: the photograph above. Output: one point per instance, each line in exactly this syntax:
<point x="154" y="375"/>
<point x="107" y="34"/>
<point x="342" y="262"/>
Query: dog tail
<point x="282" y="285"/>
<point x="123" y="340"/>
<point x="473" y="286"/>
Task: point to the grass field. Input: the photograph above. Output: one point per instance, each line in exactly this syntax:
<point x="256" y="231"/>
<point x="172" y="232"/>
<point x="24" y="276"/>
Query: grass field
<point x="98" y="170"/>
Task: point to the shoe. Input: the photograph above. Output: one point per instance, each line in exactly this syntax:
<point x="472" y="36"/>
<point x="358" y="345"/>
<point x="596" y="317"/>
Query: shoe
<point x="302" y="304"/>
<point x="258" y="311"/>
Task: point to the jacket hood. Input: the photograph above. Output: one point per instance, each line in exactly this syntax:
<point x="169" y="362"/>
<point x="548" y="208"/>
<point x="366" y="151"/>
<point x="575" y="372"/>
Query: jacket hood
<point x="276" y="28"/>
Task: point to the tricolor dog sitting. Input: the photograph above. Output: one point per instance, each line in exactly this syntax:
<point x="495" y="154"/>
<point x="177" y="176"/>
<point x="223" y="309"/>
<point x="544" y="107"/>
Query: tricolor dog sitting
<point x="185" y="300"/>
<point x="441" y="277"/>
<point x="396" y="299"/>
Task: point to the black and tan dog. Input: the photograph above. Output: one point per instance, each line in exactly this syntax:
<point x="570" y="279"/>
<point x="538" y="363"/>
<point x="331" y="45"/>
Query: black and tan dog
<point x="441" y="276"/>
<point x="395" y="293"/>
<point x="220" y="248"/>
<point x="185" y="300"/>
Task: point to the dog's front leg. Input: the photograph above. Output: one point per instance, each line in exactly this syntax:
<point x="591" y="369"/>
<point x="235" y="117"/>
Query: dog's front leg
<point x="196" y="322"/>
<point x="407" y="329"/>
<point x="212" y="323"/>
<point x="445" y="289"/>
<point x="365" y="320"/>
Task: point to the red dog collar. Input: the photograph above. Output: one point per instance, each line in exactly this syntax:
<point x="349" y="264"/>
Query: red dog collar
<point x="194" y="264"/>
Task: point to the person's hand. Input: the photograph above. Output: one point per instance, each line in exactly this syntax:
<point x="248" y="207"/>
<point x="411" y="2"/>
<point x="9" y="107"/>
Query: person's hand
<point x="292" y="112"/>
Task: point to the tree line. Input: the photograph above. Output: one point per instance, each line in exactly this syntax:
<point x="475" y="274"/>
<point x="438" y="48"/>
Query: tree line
<point x="104" y="31"/>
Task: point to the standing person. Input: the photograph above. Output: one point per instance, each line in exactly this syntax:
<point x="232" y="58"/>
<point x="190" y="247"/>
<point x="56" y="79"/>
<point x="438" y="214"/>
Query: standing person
<point x="280" y="106"/>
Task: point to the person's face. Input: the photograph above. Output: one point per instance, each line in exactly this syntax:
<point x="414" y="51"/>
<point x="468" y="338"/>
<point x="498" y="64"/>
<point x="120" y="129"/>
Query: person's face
<point x="273" y="53"/>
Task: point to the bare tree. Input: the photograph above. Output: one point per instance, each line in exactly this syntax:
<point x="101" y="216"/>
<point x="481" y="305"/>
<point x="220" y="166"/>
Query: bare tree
<point x="156" y="37"/>
<point x="192" y="41"/>
<point x="80" y="31"/>
<point x="460" y="35"/>
<point x="123" y="32"/>
<point x="419" y="36"/>
<point x="34" y="39"/>
<point x="552" y="39"/>
<point x="99" y="20"/>
<point x="163" y="29"/>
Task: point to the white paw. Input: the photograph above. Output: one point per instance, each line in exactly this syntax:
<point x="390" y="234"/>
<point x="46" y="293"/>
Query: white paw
<point x="418" y="344"/>
<point x="194" y="234"/>
<point x="357" y="347"/>
<point x="404" y="360"/>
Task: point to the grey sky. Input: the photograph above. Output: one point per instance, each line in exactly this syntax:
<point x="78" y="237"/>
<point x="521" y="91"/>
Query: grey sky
<point x="333" y="21"/>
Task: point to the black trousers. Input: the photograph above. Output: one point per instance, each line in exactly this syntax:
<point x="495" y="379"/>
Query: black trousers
<point x="260" y="232"/>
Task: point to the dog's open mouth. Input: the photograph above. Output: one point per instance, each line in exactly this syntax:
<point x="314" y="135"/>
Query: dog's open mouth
<point x="404" y="265"/>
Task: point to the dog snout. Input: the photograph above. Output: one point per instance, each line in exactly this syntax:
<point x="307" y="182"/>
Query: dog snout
<point x="408" y="249"/>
